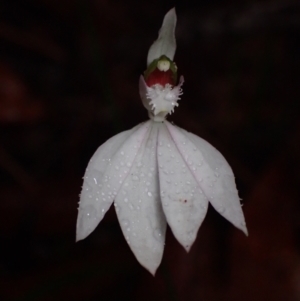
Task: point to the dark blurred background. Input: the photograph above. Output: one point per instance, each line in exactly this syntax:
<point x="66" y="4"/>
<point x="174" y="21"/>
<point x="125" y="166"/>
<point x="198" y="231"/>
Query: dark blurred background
<point x="69" y="80"/>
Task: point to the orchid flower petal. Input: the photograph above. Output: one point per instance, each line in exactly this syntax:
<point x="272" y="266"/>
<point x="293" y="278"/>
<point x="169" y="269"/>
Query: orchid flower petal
<point x="166" y="42"/>
<point x="213" y="174"/>
<point x="92" y="205"/>
<point x="139" y="209"/>
<point x="184" y="202"/>
<point x="107" y="169"/>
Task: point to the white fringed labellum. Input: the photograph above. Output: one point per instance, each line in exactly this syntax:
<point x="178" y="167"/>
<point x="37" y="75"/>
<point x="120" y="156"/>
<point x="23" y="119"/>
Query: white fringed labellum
<point x="158" y="173"/>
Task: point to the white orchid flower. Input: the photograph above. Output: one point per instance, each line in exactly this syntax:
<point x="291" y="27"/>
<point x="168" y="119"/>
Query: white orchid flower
<point x="158" y="173"/>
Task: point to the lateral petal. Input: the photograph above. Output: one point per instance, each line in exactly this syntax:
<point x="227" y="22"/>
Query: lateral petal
<point x="143" y="93"/>
<point x="184" y="202"/>
<point x="139" y="208"/>
<point x="213" y="174"/>
<point x="102" y="180"/>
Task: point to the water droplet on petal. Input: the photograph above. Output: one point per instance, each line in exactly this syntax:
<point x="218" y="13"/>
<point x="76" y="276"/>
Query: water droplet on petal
<point x="158" y="235"/>
<point x="125" y="222"/>
<point x="135" y="178"/>
<point x="90" y="212"/>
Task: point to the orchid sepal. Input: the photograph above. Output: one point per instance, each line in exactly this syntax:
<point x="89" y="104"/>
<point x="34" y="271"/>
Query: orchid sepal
<point x="166" y="42"/>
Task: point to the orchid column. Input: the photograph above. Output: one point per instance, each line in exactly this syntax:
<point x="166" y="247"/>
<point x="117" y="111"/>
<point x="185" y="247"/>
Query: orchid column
<point x="158" y="173"/>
